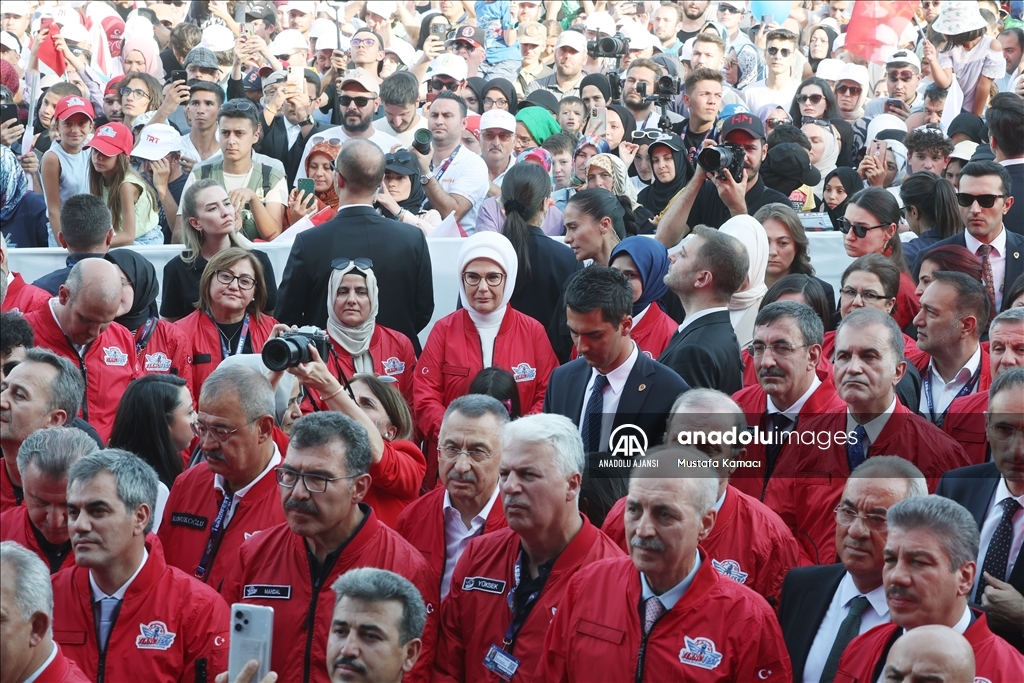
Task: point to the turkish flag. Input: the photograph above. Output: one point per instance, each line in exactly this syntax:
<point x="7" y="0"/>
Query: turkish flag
<point x="875" y="28"/>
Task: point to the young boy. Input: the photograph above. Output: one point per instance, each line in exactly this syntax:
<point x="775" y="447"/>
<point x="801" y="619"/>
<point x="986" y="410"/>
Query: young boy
<point x="571" y="114"/>
<point x="928" y="149"/>
<point x="560" y="146"/>
<point x="503" y="58"/>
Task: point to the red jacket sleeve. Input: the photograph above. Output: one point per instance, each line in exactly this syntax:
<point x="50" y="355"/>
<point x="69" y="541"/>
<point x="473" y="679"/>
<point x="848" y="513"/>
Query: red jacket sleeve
<point x="209" y="638"/>
<point x="450" y="655"/>
<point x="428" y="388"/>
<point x="400" y="470"/>
<point x="764" y="655"/>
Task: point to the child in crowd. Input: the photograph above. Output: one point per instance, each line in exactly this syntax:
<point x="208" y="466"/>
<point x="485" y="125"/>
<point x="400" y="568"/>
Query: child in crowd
<point x="571" y="114"/>
<point x="112" y="178"/>
<point x="494" y="17"/>
<point x="65" y="168"/>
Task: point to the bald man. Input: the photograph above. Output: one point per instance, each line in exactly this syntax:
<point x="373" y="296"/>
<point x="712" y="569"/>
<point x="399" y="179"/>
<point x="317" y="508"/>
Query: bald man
<point x="79" y="324"/>
<point x="932" y="654"/>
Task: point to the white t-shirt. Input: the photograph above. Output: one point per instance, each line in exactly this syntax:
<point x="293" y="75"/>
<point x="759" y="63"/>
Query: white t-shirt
<point x="758" y="94"/>
<point x="467" y="177"/>
<point x="233" y="181"/>
<point x="405" y="138"/>
<point x="379" y="138"/>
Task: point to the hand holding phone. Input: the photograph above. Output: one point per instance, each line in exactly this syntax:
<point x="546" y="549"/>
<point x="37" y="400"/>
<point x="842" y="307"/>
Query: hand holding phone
<point x="252" y="637"/>
<point x="305" y="185"/>
<point x="179" y="75"/>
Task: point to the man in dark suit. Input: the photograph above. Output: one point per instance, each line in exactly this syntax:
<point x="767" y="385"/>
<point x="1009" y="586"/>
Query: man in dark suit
<point x="988" y="236"/>
<point x="709" y="268"/>
<point x="286" y="123"/>
<point x="610" y="385"/>
<point x="992" y="492"/>
<point x="820" y="604"/>
<point x="1005" y="119"/>
<point x="399" y="253"/>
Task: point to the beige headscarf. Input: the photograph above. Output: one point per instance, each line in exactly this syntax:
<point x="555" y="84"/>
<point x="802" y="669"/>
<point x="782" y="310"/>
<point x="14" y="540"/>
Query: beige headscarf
<point x="355" y="340"/>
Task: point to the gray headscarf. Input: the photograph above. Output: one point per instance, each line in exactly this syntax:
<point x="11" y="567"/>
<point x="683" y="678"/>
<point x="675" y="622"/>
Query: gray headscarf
<point x="355" y="340"/>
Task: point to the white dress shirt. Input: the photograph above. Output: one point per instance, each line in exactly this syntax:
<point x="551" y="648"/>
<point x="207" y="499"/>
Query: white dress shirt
<point x="691" y="318"/>
<point x="219" y="484"/>
<point x="97" y="592"/>
<point x="612" y="394"/>
<point x="997" y="257"/>
<point x="988" y="529"/>
<point x="876" y="613"/>
<point x="670" y="597"/>
<point x="873" y="428"/>
<point x="944" y="392"/>
<point x="49" y="660"/>
<point x="457" y="536"/>
<point x="793" y="412"/>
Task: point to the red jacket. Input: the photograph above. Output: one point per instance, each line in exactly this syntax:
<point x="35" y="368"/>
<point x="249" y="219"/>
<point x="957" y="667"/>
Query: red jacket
<point x="910" y="351"/>
<point x="718" y="631"/>
<point x="273" y="569"/>
<point x="984" y="377"/>
<point x="204" y="343"/>
<point x="169" y="626"/>
<point x="749" y="543"/>
<point x="110" y="366"/>
<point x="393" y="356"/>
<point x="422" y="524"/>
<point x="453" y="356"/>
<point x="808" y="482"/>
<point x="995" y="659"/>
<point x="62" y="670"/>
<point x="965" y="423"/>
<point x="22" y="297"/>
<point x="9" y="498"/>
<point x="823" y="370"/>
<point x="754" y="402"/>
<point x="396" y="480"/>
<point x="166" y="352"/>
<point x="653" y="331"/>
<point x="193" y="506"/>
<point x="907" y="303"/>
<point x="475" y="616"/>
<point x="16" y="526"/>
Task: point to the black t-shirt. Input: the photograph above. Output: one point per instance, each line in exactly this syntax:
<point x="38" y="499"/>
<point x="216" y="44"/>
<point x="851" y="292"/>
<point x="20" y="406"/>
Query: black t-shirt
<point x="181" y="285"/>
<point x="684" y="36"/>
<point x="693" y="142"/>
<point x="709" y="209"/>
<point x="229" y="336"/>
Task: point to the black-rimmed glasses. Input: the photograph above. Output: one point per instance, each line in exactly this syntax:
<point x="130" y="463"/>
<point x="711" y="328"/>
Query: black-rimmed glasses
<point x="360" y="102"/>
<point x="226" y="277"/>
<point x="453" y="453"/>
<point x="314" y="483"/>
<point x="126" y="92"/>
<point x="867" y="296"/>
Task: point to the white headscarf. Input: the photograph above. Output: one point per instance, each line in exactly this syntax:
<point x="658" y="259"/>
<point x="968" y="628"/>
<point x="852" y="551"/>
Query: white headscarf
<point x="497" y="248"/>
<point x="355" y="340"/>
<point x="827" y="163"/>
<point x="743" y="304"/>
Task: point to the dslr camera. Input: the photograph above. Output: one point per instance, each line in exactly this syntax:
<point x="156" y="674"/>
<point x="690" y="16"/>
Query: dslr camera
<point x="616" y="47"/>
<point x="727" y="156"/>
<point x="667" y="87"/>
<point x="291" y="348"/>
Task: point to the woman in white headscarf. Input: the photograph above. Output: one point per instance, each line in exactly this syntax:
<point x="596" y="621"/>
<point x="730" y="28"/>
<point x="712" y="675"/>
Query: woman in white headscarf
<point x="485" y="332"/>
<point x="744" y="304"/>
<point x="824" y="150"/>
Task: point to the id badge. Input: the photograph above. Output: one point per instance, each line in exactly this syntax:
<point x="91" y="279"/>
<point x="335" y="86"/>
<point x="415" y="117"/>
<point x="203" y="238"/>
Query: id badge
<point x="501" y="663"/>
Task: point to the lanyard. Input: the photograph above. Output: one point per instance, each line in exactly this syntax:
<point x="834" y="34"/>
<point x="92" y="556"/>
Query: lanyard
<point x="225" y="351"/>
<point x="214" y="540"/>
<point x="446" y="163"/>
<point x="965" y="391"/>
<point x="518" y="620"/>
<point x="145" y="332"/>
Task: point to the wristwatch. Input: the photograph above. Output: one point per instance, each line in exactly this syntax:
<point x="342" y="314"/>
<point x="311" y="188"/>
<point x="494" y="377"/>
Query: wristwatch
<point x="426" y="178"/>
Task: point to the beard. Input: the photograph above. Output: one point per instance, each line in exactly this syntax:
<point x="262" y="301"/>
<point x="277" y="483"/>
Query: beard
<point x="361" y="126"/>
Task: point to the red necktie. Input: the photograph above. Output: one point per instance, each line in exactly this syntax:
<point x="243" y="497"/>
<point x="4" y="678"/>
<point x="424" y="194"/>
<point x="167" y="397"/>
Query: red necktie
<point x="984" y="252"/>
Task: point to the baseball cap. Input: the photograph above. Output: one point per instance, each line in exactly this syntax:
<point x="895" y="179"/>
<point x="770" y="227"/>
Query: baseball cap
<point x="574" y="39"/>
<point x="532" y="33"/>
<point x="970" y="124"/>
<point x="402" y="162"/>
<point x="217" y="38"/>
<point x="600" y="22"/>
<point x="363" y="78"/>
<point x="320" y="28"/>
<point x="156" y="141"/>
<point x="903" y="57"/>
<point x="261" y="12"/>
<point x="18" y="8"/>
<point x="405" y="52"/>
<point x="382" y="8"/>
<point x="287" y="42"/>
<point x="741" y="6"/>
<point x="329" y="41"/>
<point x="964" y="150"/>
<point x="10" y="41"/>
<point x="829" y="69"/>
<point x="670" y="140"/>
<point x="856" y="73"/>
<point x="113" y="85"/>
<point x="497" y="118"/>
<point x="470" y="34"/>
<point x="448" y="65"/>
<point x="839" y="43"/>
<point x="300" y="7"/>
<point x="113" y="139"/>
<point x="275" y="77"/>
<point x="75" y="33"/>
<point x="70" y="105"/>
<point x="745" y="121"/>
<point x="202" y="57"/>
<point x="252" y="82"/>
<point x="789" y="166"/>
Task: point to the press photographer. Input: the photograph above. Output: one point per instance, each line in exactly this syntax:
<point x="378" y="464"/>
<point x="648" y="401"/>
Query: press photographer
<point x="644" y="88"/>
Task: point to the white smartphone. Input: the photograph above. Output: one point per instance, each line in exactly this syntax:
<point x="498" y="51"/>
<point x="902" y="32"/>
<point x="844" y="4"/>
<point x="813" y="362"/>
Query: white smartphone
<point x="252" y="637"/>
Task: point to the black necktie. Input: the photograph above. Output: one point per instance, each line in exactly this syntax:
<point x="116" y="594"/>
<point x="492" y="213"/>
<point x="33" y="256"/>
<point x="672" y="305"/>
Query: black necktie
<point x="856" y="453"/>
<point x="592" y="415"/>
<point x="997" y="557"/>
<point x="848" y="630"/>
<point x="779" y="424"/>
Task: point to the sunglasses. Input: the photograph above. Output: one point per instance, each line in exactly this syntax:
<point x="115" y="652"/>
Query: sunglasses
<point x="904" y="76"/>
<point x="361" y="263"/>
<point x="437" y="85"/>
<point x="813" y="99"/>
<point x="985" y="201"/>
<point x="774" y="123"/>
<point x="334" y="142"/>
<point x="646" y="135"/>
<point x="854" y="90"/>
<point x="238" y="105"/>
<point x="361" y="102"/>
<point x="772" y="51"/>
<point x="861" y="231"/>
<point x="824" y="123"/>
<point x="730" y="9"/>
<point x="502" y="135"/>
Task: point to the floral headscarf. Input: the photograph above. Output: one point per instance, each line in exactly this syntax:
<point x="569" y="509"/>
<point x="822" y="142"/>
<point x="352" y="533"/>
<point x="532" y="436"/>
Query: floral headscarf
<point x="621" y="185"/>
<point x="329" y="197"/>
<point x="541" y="157"/>
<point x="13" y="184"/>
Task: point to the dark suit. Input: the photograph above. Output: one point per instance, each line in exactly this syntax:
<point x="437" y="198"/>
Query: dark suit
<point x="1014" y="253"/>
<point x="706" y="354"/>
<point x="540" y="295"/>
<point x="1014" y="218"/>
<point x="806" y="595"/>
<point x="274" y="143"/>
<point x="973" y="487"/>
<point x="401" y="262"/>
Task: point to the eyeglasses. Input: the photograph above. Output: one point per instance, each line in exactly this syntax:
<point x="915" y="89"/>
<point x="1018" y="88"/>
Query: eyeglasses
<point x="904" y="76"/>
<point x="774" y="123"/>
<point x="500" y="104"/>
<point x="129" y="92"/>
<point x="502" y="135"/>
<point x="925" y="4"/>
<point x="854" y="90"/>
<point x="226" y="277"/>
<point x="824" y="123"/>
<point x="453" y="453"/>
<point x="985" y="201"/>
<point x="648" y="135"/>
<point x="730" y="9"/>
<point x="492" y="279"/>
<point x="778" y="349"/>
<point x="846" y="516"/>
<point x="361" y="263"/>
<point x="219" y="434"/>
<point x="772" y="51"/>
<point x="314" y="483"/>
<point x="438" y="85"/>
<point x="868" y="296"/>
<point x="363" y="42"/>
<point x="813" y="99"/>
<point x="361" y="102"/>
<point x="861" y="231"/>
<point x="1003" y="433"/>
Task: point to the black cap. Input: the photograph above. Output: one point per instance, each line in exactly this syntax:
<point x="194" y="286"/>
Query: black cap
<point x="541" y="98"/>
<point x="261" y="12"/>
<point x="970" y="124"/>
<point x="402" y="162"/>
<point x="744" y="121"/>
<point x="787" y="167"/>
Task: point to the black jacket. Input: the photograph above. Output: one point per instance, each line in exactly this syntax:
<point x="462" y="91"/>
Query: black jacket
<point x="274" y="143"/>
<point x="706" y="354"/>
<point x="540" y="295"/>
<point x="806" y="594"/>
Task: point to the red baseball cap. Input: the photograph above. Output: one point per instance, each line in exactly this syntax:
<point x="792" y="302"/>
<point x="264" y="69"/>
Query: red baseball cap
<point x="70" y="105"/>
<point x="112" y="139"/>
<point x="114" y="85"/>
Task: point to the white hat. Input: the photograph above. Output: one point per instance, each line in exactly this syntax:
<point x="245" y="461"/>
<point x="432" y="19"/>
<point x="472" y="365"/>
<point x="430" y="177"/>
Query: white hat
<point x="329" y="41"/>
<point x="405" y="52"/>
<point x="856" y="73"/>
<point x="217" y="38"/>
<point x="448" y="64"/>
<point x="829" y="69"/>
<point x="17" y="8"/>
<point x="964" y="150"/>
<point x="904" y="57"/>
<point x="639" y="37"/>
<point x="600" y="22"/>
<point x="156" y="141"/>
<point x="10" y="41"/>
<point x="839" y="43"/>
<point x="738" y="4"/>
<point x="574" y="39"/>
<point x="363" y="78"/>
<point x="957" y="16"/>
<point x="884" y="122"/>
<point x="498" y="118"/>
<point x="322" y="27"/>
<point x="382" y="8"/>
<point x="303" y="7"/>
<point x="287" y="42"/>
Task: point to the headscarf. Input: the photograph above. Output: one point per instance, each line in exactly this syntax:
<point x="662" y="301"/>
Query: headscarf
<point x="900" y="154"/>
<point x="9" y="77"/>
<point x="621" y="185"/>
<point x="746" y="65"/>
<point x="846" y="142"/>
<point x="13" y="184"/>
<point x="628" y="122"/>
<point x="405" y="163"/>
<point x="720" y="29"/>
<point x="539" y="122"/>
<point x="657" y="195"/>
<point x="141" y="273"/>
<point x="507" y="89"/>
<point x="651" y="259"/>
<point x="477" y="84"/>
<point x="743" y="303"/>
<point x="355" y="340"/>
<point x="832" y="35"/>
<point x="148" y="49"/>
<point x="497" y="248"/>
<point x="765" y="112"/>
<point x="599" y="81"/>
<point x="329" y="197"/>
<point x="827" y="163"/>
<point x="541" y="157"/>
<point x="283" y="391"/>
<point x="851" y="183"/>
<point x="600" y="144"/>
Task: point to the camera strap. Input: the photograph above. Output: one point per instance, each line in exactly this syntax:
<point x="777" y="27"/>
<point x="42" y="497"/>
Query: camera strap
<point x="225" y="351"/>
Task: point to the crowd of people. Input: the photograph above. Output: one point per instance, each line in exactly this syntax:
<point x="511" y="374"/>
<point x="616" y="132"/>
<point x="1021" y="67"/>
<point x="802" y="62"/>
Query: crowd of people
<point x="649" y="442"/>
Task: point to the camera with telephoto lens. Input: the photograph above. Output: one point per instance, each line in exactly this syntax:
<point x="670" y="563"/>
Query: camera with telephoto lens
<point x="421" y="140"/>
<point x="608" y="46"/>
<point x="292" y="348"/>
<point x="727" y="156"/>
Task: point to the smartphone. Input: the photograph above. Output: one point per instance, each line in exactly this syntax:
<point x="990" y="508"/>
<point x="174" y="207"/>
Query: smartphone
<point x="894" y="103"/>
<point x="248" y="29"/>
<point x="305" y="185"/>
<point x="8" y="112"/>
<point x="179" y="75"/>
<point x="252" y="637"/>
<point x="439" y="30"/>
<point x="597" y="124"/>
<point x="45" y="23"/>
<point x="765" y="20"/>
<point x="296" y="76"/>
<point x="878" y="149"/>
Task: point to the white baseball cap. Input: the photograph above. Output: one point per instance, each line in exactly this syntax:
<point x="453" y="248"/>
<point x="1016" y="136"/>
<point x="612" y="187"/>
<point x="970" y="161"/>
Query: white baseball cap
<point x="156" y="141"/>
<point x="10" y="41"/>
<point x="448" y="64"/>
<point x="322" y="27"/>
<point x="302" y="7"/>
<point x="217" y="38"/>
<point x="600" y="22"/>
<point x="405" y="52"/>
<point x="498" y="118"/>
<point x="904" y="57"/>
<point x="329" y="41"/>
<point x="829" y="69"/>
<point x="639" y="37"/>
<point x="287" y="42"/>
<point x="17" y="8"/>
<point x="382" y="8"/>
<point x="574" y="39"/>
<point x="856" y="73"/>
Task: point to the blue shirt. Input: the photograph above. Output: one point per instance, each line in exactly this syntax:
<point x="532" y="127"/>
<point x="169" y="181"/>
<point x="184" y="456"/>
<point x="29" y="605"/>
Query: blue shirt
<point x="27" y="225"/>
<point x="493" y="18"/>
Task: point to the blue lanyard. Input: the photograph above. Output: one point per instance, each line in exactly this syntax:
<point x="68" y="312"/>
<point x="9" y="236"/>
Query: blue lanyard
<point x="965" y="391"/>
<point x="515" y="625"/>
<point x="224" y="350"/>
<point x="213" y="541"/>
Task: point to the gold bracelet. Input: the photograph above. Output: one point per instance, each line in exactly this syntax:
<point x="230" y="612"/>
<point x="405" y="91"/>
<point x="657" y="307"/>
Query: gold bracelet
<point x="325" y="399"/>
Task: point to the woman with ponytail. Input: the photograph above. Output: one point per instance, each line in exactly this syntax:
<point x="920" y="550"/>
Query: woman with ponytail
<point x="930" y="206"/>
<point x="595" y="221"/>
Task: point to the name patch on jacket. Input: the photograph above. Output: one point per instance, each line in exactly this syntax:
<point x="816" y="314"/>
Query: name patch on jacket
<point x="114" y="356"/>
<point x="524" y="373"/>
<point x="730" y="568"/>
<point x="155" y="636"/>
<point x="480" y="583"/>
<point x="700" y="652"/>
<point x="185" y="519"/>
<point x="254" y="591"/>
<point x="157" y="362"/>
<point x="393" y="366"/>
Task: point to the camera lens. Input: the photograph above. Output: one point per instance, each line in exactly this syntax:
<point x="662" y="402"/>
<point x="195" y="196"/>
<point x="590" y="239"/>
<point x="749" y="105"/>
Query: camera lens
<point x="238" y="627"/>
<point x="281" y="353"/>
<point x="421" y="141"/>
